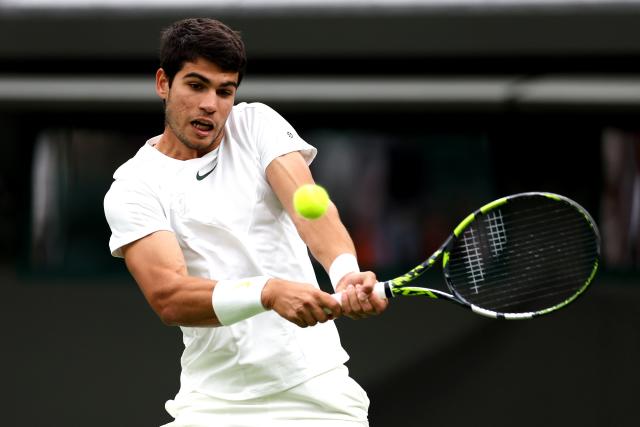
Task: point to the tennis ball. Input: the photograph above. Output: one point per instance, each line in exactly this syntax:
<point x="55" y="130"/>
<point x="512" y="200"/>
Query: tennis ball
<point x="311" y="201"/>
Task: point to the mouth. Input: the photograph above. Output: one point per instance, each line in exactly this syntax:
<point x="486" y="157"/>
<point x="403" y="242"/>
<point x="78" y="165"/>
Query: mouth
<point x="202" y="127"/>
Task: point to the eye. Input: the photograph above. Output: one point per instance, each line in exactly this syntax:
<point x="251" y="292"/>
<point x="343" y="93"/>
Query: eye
<point x="196" y="86"/>
<point x="224" y="93"/>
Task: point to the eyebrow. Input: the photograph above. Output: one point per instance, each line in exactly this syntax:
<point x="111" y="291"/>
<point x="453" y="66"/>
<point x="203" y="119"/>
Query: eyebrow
<point x="207" y="81"/>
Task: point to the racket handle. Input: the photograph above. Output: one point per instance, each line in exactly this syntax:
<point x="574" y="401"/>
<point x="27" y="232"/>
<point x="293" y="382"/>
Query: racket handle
<point x="378" y="289"/>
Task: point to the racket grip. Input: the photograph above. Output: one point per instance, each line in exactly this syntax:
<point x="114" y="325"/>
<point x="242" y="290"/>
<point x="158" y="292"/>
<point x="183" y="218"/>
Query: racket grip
<point x="378" y="289"/>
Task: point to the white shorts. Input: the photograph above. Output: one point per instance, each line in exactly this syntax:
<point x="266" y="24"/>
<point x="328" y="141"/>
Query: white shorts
<point x="330" y="399"/>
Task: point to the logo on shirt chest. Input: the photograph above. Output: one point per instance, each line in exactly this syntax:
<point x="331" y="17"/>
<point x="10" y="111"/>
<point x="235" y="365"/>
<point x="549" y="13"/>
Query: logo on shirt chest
<point x="203" y="176"/>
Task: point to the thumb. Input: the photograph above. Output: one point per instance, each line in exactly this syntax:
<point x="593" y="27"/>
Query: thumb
<point x="363" y="292"/>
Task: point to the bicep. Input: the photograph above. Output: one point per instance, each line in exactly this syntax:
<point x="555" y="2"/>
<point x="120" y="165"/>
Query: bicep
<point x="285" y="174"/>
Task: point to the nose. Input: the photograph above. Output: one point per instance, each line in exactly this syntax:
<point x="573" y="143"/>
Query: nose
<point x="209" y="102"/>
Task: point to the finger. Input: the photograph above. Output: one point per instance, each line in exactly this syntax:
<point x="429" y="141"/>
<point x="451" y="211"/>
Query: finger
<point x="362" y="294"/>
<point x="304" y="315"/>
<point x="318" y="308"/>
<point x="313" y="313"/>
<point x="298" y="322"/>
<point x="319" y="314"/>
<point x="363" y="299"/>
<point x="379" y="304"/>
<point x="354" y="302"/>
<point x="345" y="303"/>
<point x="298" y="318"/>
<point x="368" y="283"/>
<point x="330" y="313"/>
<point x="331" y="306"/>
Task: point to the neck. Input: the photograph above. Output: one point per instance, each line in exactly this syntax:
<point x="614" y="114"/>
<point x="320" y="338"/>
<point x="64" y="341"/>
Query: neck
<point x="170" y="145"/>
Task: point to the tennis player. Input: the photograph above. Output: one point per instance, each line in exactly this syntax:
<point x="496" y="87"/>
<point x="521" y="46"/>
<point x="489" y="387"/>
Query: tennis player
<point x="203" y="217"/>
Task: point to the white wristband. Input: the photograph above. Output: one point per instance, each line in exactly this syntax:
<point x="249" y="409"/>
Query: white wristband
<point x="236" y="300"/>
<point x="343" y="264"/>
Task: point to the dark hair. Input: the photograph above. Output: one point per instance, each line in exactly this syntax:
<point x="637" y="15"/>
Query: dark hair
<point x="193" y="38"/>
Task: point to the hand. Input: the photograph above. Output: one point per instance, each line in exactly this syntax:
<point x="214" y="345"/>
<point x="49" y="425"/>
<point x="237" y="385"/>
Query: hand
<point x="300" y="303"/>
<point x="358" y="301"/>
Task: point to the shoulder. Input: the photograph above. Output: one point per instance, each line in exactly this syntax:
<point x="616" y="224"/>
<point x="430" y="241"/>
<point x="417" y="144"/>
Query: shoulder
<point x="128" y="199"/>
<point x="267" y="133"/>
<point x="128" y="188"/>
<point x="133" y="179"/>
<point x="146" y="168"/>
<point x="254" y="111"/>
<point x="133" y="210"/>
<point x="138" y="165"/>
<point x="252" y="108"/>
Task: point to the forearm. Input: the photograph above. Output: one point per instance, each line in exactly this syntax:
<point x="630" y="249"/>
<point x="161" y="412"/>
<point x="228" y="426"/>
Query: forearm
<point x="157" y="265"/>
<point x="236" y="300"/>
<point x="325" y="237"/>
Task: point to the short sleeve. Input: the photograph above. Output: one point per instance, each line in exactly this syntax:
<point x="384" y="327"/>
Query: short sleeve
<point x="133" y="211"/>
<point x="276" y="137"/>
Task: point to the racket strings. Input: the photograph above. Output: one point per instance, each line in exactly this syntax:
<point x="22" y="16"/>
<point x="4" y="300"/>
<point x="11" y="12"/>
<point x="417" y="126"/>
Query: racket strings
<point x="560" y="225"/>
<point x="534" y="213"/>
<point x="540" y="294"/>
<point x="518" y="252"/>
<point x="507" y="279"/>
<point x="524" y="223"/>
<point x="474" y="259"/>
<point x="525" y="252"/>
<point x="499" y="299"/>
<point x="525" y="259"/>
<point x="497" y="232"/>
<point x="557" y="275"/>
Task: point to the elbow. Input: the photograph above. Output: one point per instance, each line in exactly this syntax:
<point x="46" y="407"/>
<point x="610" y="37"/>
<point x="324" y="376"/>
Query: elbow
<point x="169" y="315"/>
<point x="164" y="304"/>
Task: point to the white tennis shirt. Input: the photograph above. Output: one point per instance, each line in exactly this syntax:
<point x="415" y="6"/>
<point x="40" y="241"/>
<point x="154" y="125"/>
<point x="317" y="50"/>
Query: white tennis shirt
<point x="229" y="224"/>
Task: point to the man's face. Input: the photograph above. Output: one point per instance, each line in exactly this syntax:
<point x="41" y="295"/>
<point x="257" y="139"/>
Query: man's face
<point x="197" y="104"/>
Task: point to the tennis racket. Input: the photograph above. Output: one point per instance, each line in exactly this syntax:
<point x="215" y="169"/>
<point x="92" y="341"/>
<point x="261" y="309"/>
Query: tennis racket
<point x="517" y="257"/>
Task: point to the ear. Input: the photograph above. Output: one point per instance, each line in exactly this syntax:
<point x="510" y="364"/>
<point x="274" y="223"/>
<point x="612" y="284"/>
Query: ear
<point x="162" y="84"/>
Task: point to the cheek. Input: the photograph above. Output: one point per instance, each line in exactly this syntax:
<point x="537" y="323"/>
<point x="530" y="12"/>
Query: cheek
<point x="175" y="108"/>
<point x="177" y="103"/>
<point x="226" y="109"/>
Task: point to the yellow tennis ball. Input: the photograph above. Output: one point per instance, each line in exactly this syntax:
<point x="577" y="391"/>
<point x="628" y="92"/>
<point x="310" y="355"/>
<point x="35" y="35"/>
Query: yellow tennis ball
<point x="311" y="201"/>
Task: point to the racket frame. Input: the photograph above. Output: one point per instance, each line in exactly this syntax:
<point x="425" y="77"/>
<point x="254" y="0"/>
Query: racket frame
<point x="400" y="286"/>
